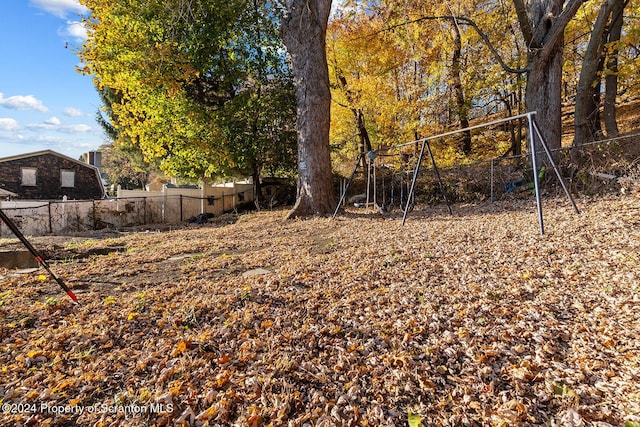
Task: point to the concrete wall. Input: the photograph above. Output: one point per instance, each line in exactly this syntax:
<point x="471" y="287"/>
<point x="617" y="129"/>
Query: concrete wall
<point x="131" y="208"/>
<point x="214" y="199"/>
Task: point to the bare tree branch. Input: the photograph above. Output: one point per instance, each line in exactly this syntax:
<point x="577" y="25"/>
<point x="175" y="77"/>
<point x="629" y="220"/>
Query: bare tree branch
<point x="558" y="27"/>
<point x="524" y="21"/>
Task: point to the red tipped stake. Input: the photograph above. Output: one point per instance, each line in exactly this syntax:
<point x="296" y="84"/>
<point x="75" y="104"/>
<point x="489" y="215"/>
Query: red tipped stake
<point x="14" y="229"/>
<point x="72" y="296"/>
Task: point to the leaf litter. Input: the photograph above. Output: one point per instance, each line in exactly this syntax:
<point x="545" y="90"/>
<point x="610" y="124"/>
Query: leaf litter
<point x="472" y="319"/>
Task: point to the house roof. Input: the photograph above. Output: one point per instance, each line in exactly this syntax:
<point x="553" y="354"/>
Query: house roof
<point x="54" y="153"/>
<point x="5" y="193"/>
<point x="44" y="152"/>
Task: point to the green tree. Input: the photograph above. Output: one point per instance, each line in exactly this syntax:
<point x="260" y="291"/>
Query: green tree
<point x="259" y="123"/>
<point x="176" y="68"/>
<point x="124" y="167"/>
<point x="260" y="131"/>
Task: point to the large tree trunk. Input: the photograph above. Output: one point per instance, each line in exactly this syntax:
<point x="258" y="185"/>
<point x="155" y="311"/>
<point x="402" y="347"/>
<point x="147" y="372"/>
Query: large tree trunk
<point x="304" y="33"/>
<point x="462" y="107"/>
<point x="587" y="117"/>
<point x="542" y="23"/>
<point x="544" y="82"/>
<point x="544" y="95"/>
<point x="611" y="79"/>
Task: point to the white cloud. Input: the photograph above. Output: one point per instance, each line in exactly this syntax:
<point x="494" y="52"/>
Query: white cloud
<point x="54" y="121"/>
<point x="54" y="124"/>
<point x="12" y="137"/>
<point x="80" y="128"/>
<point x="75" y="30"/>
<point x="20" y="102"/>
<point x="41" y="126"/>
<point x="72" y="112"/>
<point x="49" y="139"/>
<point x="61" y="8"/>
<point x="8" y="124"/>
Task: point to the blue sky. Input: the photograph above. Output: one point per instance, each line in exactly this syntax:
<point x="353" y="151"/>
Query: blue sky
<point x="44" y="102"/>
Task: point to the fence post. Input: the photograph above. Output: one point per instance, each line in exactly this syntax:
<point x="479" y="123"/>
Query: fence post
<point x="203" y="195"/>
<point x="164" y="205"/>
<point x="492" y="180"/>
<point x="181" y="208"/>
<point x="50" y="221"/>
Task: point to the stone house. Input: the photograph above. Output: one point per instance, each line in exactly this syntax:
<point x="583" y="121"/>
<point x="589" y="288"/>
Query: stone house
<point x="47" y="175"/>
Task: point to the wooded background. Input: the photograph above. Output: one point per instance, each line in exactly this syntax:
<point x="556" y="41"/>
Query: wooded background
<point x="198" y="88"/>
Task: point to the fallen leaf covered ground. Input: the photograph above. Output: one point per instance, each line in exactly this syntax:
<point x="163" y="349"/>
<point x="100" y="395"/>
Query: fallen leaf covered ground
<point x="471" y="319"/>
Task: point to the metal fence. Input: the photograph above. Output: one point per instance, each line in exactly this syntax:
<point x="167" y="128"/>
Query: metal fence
<point x="611" y="165"/>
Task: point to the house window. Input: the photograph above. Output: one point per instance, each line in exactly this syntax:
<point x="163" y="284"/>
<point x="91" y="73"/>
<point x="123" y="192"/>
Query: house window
<point x="67" y="178"/>
<point x="29" y="177"/>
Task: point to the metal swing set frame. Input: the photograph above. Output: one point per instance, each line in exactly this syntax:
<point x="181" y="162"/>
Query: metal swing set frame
<point x="534" y="136"/>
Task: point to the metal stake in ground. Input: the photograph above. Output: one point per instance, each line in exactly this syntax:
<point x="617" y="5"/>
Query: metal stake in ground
<point x="14" y="229"/>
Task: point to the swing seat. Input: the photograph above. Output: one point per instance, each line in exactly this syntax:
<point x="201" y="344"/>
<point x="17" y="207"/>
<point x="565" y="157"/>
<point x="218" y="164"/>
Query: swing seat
<point x="357" y="199"/>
